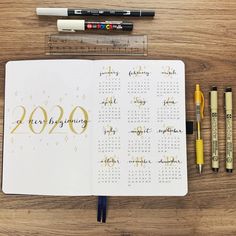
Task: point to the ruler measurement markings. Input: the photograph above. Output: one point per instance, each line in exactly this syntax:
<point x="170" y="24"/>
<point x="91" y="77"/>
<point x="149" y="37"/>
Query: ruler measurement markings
<point x="91" y="45"/>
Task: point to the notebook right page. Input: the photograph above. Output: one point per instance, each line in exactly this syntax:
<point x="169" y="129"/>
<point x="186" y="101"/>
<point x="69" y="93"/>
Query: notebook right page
<point x="139" y="146"/>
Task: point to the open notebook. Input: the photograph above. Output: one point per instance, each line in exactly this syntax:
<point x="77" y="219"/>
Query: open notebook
<point x="105" y="127"/>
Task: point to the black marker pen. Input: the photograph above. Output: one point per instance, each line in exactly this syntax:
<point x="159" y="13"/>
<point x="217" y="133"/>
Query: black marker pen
<point x="92" y="12"/>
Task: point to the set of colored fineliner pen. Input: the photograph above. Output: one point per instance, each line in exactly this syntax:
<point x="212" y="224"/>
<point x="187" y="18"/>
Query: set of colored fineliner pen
<point x="199" y="102"/>
<point x="68" y="25"/>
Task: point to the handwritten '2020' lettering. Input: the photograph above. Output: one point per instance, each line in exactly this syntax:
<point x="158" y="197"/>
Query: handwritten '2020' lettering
<point x="57" y="123"/>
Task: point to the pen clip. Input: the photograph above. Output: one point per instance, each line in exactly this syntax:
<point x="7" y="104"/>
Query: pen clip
<point x="202" y="105"/>
<point x="199" y="99"/>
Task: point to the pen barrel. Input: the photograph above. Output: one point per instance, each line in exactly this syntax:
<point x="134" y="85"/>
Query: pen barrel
<point x="214" y="129"/>
<point x="77" y="25"/>
<point x="94" y="12"/>
<point x="229" y="140"/>
<point x="199" y="152"/>
<point x="198" y="125"/>
<point x="105" y="12"/>
<point x="229" y="129"/>
<point x="214" y="139"/>
<point x="214" y="100"/>
<point x="107" y="25"/>
<point x="198" y="112"/>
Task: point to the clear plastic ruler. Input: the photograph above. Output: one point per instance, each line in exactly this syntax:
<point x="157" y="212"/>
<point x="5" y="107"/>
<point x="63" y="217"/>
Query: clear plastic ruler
<point x="96" y="44"/>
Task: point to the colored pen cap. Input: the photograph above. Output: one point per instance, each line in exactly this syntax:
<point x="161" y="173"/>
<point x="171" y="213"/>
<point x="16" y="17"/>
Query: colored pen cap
<point x="70" y="25"/>
<point x="52" y="11"/>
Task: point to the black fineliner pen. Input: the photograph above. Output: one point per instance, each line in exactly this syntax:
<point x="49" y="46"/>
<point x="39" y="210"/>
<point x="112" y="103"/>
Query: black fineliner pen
<point x="92" y="12"/>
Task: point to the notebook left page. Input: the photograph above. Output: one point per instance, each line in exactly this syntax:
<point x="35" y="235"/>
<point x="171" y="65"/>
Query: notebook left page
<point x="47" y="131"/>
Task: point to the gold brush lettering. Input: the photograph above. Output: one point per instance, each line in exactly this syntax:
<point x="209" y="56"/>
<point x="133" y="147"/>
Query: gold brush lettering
<point x="56" y="123"/>
<point x="85" y="114"/>
<point x="21" y="120"/>
<point x="44" y="122"/>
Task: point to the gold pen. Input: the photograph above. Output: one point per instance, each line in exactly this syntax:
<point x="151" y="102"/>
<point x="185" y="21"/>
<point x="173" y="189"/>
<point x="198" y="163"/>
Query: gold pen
<point x="214" y="129"/>
<point x="199" y="105"/>
<point x="229" y="130"/>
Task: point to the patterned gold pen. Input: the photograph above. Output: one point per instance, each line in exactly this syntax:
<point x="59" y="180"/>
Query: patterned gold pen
<point x="214" y="129"/>
<point x="229" y="130"/>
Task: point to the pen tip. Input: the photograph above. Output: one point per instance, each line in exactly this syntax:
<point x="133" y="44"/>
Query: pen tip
<point x="228" y="89"/>
<point x="214" y="88"/>
<point x="215" y="169"/>
<point x="200" y="169"/>
<point x="229" y="170"/>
